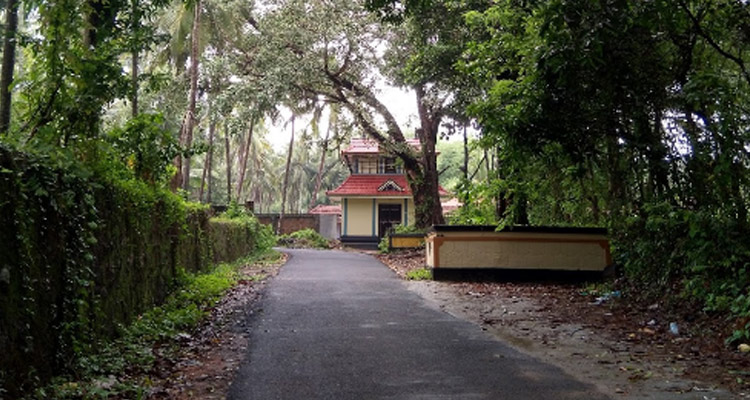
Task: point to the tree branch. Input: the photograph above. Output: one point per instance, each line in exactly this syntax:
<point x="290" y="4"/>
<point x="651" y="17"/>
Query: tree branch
<point x="393" y="129"/>
<point x="697" y="25"/>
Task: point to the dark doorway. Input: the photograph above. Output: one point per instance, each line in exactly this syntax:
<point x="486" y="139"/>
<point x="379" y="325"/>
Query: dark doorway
<point x="388" y="216"/>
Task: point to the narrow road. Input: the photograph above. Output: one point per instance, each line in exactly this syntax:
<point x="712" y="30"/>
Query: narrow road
<point x="341" y="325"/>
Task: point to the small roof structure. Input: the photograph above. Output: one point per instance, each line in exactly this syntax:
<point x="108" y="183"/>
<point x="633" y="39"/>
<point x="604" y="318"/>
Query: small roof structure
<point x="326" y="209"/>
<point x="376" y="186"/>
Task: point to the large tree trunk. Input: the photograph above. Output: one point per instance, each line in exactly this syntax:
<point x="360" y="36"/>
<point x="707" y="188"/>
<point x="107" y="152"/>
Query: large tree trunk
<point x="286" y="178"/>
<point x="210" y="178"/>
<point x="243" y="159"/>
<point x="9" y="62"/>
<point x="187" y="139"/>
<point x="229" y="163"/>
<point x="257" y="199"/>
<point x="428" y="210"/>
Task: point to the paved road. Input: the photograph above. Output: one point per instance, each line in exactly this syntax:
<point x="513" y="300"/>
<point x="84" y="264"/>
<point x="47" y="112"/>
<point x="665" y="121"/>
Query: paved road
<point x="340" y="325"/>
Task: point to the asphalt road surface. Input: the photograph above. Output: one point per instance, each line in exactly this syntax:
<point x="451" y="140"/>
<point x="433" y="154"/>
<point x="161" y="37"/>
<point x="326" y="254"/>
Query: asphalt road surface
<point x="341" y="325"/>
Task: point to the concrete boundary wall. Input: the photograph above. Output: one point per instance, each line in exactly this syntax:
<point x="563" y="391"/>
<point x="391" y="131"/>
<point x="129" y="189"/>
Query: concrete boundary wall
<point x="519" y="248"/>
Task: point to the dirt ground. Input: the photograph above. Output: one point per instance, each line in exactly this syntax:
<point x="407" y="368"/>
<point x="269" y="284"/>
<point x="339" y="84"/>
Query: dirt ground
<point x="623" y="348"/>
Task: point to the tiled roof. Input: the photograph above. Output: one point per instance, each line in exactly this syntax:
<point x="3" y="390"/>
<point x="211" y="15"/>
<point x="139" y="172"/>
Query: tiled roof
<point x="375" y="185"/>
<point x="325" y="209"/>
<point x="369" y="146"/>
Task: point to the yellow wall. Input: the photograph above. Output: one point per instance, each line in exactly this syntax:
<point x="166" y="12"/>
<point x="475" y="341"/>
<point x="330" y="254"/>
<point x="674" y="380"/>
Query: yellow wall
<point x="359" y="214"/>
<point x="359" y="217"/>
<point x="557" y="251"/>
<point x="411" y="211"/>
<point x="406" y="242"/>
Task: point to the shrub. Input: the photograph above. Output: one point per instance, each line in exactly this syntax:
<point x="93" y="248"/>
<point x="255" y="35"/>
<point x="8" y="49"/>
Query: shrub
<point x="704" y="253"/>
<point x="160" y="327"/>
<point x="419" y="274"/>
<point x="307" y="238"/>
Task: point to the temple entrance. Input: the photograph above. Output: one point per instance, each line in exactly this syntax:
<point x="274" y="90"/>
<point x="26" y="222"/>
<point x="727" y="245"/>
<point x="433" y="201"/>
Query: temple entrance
<point x="388" y="216"/>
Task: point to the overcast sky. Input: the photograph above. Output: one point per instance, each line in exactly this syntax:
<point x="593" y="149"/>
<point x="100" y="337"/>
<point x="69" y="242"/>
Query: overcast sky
<point x="401" y="103"/>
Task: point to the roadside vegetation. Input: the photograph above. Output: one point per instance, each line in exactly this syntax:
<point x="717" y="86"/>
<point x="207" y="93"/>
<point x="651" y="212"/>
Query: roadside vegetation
<point x="419" y="274"/>
<point x="120" y="368"/>
<point x="305" y="238"/>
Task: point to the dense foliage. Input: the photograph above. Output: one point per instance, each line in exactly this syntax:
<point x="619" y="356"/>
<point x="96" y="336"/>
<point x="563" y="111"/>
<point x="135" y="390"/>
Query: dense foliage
<point x="631" y="115"/>
<point x="116" y="367"/>
<point x="84" y="254"/>
<point x="306" y="238"/>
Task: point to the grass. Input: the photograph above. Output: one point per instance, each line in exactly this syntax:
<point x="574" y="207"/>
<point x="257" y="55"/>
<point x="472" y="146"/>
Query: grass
<point x="419" y="274"/>
<point x="111" y="370"/>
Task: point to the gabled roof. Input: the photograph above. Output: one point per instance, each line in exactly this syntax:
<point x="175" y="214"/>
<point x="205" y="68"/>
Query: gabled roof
<point x="375" y="186"/>
<point x="326" y="209"/>
<point x="370" y="146"/>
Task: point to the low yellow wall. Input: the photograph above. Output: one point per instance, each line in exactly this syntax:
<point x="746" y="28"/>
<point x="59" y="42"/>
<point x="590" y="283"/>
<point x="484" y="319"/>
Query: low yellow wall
<point x="514" y="250"/>
<point x="405" y="242"/>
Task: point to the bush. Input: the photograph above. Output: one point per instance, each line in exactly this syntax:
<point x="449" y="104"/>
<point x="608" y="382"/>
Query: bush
<point x="419" y="274"/>
<point x="260" y="234"/>
<point x="160" y="327"/>
<point x="306" y="238"/>
<point x="702" y="259"/>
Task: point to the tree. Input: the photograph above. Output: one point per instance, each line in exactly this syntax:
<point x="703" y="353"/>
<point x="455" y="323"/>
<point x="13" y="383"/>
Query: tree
<point x="330" y="51"/>
<point x="8" y="63"/>
<point x="207" y="178"/>
<point x="188" y="123"/>
<point x="628" y="114"/>
<point x="332" y="121"/>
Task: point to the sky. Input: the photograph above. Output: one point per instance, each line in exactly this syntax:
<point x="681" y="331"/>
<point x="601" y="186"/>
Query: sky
<point x="401" y="103"/>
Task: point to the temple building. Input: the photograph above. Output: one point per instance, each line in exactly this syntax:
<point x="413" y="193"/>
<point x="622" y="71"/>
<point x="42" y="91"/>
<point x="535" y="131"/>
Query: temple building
<point x="375" y="196"/>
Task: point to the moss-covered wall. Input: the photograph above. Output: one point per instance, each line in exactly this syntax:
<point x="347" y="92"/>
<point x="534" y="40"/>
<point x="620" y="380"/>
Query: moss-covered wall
<point x="80" y="255"/>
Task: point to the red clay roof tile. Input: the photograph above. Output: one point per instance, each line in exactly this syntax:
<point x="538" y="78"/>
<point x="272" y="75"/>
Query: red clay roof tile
<point x="368" y="185"/>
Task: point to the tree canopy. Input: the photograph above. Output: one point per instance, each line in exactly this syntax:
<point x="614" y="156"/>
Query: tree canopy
<point x="630" y="115"/>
